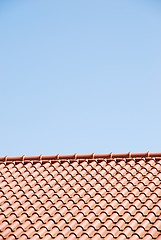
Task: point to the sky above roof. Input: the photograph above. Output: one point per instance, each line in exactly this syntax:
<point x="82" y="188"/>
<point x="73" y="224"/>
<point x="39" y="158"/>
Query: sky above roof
<point x="80" y="76"/>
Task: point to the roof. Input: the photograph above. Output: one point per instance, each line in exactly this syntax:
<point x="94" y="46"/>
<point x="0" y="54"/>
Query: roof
<point x="93" y="196"/>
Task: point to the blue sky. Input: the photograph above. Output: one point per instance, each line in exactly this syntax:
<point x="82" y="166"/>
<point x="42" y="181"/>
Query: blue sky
<point x="80" y="76"/>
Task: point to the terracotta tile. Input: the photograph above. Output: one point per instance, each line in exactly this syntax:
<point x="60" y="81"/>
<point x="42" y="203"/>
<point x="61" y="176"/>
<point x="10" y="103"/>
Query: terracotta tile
<point x="46" y="237"/>
<point x="148" y="237"/>
<point x="55" y="230"/>
<point x="114" y="217"/>
<point x="66" y="231"/>
<point x="96" y="237"/>
<point x="126" y="204"/>
<point x="152" y="217"/>
<point x="72" y="237"/>
<point x="122" y="237"/>
<point x="157" y="225"/>
<point x="84" y="236"/>
<point x="103" y="216"/>
<point x="109" y="224"/>
<point x="121" y="210"/>
<point x="135" y="237"/>
<point x="141" y="231"/>
<point x="12" y="237"/>
<point x="115" y="231"/>
<point x="97" y="223"/>
<point x="103" y="231"/>
<point x="146" y="224"/>
<point x="128" y="232"/>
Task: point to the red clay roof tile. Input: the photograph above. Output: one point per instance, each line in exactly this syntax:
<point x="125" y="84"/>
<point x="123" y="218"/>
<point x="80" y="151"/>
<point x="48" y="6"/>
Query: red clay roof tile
<point x="94" y="196"/>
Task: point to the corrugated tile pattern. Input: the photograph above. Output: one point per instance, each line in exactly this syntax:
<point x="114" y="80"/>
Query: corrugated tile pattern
<point x="105" y="199"/>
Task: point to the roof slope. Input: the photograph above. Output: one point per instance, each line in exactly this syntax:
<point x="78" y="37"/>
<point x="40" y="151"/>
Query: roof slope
<point x="103" y="198"/>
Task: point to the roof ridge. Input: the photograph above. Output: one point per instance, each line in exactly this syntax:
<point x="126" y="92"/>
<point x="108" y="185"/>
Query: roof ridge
<point x="76" y="156"/>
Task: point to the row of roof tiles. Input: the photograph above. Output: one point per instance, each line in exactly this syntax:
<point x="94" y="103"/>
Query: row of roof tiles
<point x="76" y="156"/>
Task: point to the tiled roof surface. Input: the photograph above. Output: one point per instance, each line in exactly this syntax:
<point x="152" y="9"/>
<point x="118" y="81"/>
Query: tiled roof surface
<point x="105" y="198"/>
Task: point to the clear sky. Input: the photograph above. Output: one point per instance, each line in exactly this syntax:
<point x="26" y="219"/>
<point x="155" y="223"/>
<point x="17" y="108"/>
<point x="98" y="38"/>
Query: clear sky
<point x="80" y="76"/>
